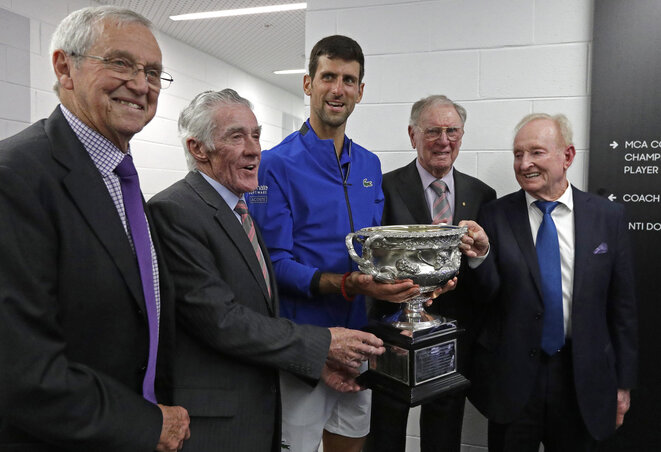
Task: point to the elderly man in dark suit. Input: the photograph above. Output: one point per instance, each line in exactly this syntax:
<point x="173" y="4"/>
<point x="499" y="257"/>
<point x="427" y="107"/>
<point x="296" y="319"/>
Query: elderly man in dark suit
<point x="85" y="314"/>
<point x="558" y="354"/>
<point x="412" y="196"/>
<point x="230" y="342"/>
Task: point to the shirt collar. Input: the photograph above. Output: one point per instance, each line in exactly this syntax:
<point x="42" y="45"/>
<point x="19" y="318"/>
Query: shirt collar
<point x="426" y="177"/>
<point x="315" y="142"/>
<point x="230" y="198"/>
<point x="105" y="155"/>
<point x="566" y="199"/>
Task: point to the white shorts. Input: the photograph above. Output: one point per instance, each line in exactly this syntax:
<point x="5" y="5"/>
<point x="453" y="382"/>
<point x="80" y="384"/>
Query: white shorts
<point x="309" y="410"/>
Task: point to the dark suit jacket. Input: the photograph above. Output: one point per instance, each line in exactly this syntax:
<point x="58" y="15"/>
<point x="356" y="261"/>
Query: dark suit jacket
<point x="230" y="343"/>
<point x="73" y="329"/>
<point x="406" y="204"/>
<point x="604" y="323"/>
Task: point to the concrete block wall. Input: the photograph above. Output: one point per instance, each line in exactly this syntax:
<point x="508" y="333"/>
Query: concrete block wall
<point x="500" y="59"/>
<point x="26" y="80"/>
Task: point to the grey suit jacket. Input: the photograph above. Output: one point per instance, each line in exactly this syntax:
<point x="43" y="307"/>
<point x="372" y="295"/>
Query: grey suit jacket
<point x="73" y="330"/>
<point x="405" y="204"/>
<point x="230" y="342"/>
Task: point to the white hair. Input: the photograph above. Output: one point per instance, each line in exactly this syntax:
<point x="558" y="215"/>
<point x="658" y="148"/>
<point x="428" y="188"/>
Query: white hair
<point x="197" y="119"/>
<point x="79" y="30"/>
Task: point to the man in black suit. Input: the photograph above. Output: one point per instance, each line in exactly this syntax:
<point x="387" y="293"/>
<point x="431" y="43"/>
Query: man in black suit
<point x="231" y="344"/>
<point x="436" y="127"/>
<point x="81" y="330"/>
<point x="558" y="353"/>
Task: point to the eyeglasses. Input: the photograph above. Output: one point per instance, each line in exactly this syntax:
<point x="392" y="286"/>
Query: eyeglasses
<point x="434" y="133"/>
<point x="126" y="69"/>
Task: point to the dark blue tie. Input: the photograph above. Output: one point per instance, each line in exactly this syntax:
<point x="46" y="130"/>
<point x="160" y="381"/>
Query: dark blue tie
<point x="137" y="223"/>
<point x="548" y="257"/>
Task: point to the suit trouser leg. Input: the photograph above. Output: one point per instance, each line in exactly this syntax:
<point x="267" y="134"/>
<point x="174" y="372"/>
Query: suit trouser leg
<point x="440" y="423"/>
<point x="551" y="416"/>
<point x="387" y="425"/>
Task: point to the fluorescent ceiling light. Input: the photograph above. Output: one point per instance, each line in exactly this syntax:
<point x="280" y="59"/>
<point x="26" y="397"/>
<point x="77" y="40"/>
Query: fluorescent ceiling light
<point x="290" y="71"/>
<point x="241" y="11"/>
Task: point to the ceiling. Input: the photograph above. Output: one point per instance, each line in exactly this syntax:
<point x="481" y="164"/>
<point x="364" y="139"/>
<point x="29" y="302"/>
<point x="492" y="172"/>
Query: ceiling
<point x="257" y="44"/>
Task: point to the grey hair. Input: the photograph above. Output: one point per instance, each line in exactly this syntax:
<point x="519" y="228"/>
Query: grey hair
<point x="79" y="30"/>
<point x="197" y="119"/>
<point x="437" y="99"/>
<point x="560" y="120"/>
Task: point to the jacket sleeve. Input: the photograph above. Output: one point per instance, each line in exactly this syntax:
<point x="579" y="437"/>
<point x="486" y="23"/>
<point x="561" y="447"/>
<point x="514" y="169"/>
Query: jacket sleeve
<point x="621" y="306"/>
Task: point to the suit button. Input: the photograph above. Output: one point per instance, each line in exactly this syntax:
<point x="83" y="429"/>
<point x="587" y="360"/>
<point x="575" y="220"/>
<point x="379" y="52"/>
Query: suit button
<point x="274" y="389"/>
<point x="538" y="316"/>
<point x="533" y="352"/>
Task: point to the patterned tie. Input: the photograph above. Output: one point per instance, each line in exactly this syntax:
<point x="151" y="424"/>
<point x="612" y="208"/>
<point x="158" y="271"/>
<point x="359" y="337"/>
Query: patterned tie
<point x="249" y="227"/>
<point x="441" y="212"/>
<point x="548" y="257"/>
<point x="137" y="223"/>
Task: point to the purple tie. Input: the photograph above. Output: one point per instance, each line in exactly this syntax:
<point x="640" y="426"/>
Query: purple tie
<point x="137" y="224"/>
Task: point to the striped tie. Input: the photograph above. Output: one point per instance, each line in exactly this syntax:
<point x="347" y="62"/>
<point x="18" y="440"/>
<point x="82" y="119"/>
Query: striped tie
<point x="249" y="227"/>
<point x="441" y="212"/>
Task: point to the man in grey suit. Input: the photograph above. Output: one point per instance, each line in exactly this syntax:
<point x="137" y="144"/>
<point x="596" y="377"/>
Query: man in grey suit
<point x="231" y="344"/>
<point x="436" y="127"/>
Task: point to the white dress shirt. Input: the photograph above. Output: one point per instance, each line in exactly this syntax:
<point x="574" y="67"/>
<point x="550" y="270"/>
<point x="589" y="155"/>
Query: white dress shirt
<point x="230" y="198"/>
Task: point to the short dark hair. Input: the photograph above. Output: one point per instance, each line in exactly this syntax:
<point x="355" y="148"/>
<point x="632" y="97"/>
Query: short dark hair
<point x="337" y="46"/>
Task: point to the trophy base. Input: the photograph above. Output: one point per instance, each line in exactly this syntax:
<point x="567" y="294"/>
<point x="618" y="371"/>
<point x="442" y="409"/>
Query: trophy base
<point x="418" y="365"/>
<point x="413" y="395"/>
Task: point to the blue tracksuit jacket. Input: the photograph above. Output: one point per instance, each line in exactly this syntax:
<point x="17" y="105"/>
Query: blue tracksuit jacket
<point x="306" y="204"/>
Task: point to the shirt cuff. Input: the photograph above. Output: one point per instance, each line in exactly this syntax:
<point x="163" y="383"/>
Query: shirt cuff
<point x="474" y="262"/>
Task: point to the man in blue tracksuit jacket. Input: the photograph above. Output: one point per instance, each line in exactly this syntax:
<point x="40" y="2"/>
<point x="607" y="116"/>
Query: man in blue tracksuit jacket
<point x="314" y="188"/>
<point x="306" y="204"/>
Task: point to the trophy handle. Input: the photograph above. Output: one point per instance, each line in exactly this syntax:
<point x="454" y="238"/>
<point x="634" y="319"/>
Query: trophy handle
<point x="365" y="265"/>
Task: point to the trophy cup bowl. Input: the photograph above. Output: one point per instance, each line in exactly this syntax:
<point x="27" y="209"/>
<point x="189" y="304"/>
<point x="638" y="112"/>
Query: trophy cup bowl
<point x="420" y="362"/>
<point x="427" y="254"/>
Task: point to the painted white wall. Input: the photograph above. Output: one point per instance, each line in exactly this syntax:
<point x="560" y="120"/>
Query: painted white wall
<point x="499" y="59"/>
<point x="26" y="80"/>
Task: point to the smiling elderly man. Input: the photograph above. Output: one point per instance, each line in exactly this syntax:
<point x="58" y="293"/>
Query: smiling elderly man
<point x="430" y="190"/>
<point x="231" y="345"/>
<point x="85" y="312"/>
<point x="558" y="353"/>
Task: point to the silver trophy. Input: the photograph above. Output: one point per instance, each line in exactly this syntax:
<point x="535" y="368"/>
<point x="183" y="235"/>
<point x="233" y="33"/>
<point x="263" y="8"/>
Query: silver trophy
<point x="427" y="254"/>
<point x="420" y="362"/>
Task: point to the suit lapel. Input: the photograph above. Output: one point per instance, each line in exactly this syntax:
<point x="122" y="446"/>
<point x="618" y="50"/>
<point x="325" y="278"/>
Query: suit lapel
<point x="520" y="224"/>
<point x="231" y="226"/>
<point x="463" y="202"/>
<point x="90" y="195"/>
<point x="582" y="230"/>
<point x="410" y="189"/>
